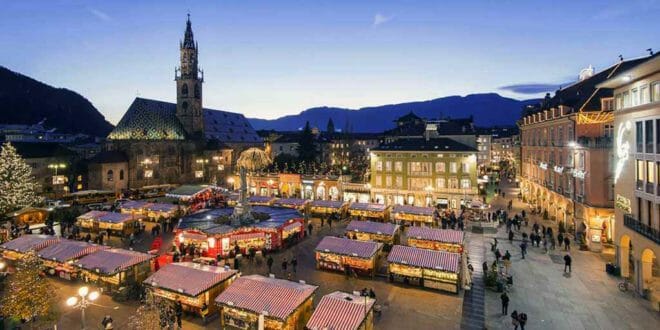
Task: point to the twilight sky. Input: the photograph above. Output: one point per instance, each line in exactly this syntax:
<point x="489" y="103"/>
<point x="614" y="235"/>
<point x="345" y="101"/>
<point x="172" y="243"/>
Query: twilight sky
<point x="271" y="58"/>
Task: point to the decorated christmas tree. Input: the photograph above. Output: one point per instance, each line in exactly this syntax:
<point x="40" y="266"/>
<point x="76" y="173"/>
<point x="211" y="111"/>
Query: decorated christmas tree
<point x="151" y="315"/>
<point x="28" y="295"/>
<point x="17" y="184"/>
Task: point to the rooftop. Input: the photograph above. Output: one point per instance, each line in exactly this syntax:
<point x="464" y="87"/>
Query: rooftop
<point x="421" y="144"/>
<point x="189" y="278"/>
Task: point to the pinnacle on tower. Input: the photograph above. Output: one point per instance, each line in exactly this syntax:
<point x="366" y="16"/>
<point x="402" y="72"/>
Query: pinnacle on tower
<point x="188" y="40"/>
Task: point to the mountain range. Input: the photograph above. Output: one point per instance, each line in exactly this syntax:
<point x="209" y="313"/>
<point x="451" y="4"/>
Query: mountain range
<point x="487" y="109"/>
<point x="24" y="100"/>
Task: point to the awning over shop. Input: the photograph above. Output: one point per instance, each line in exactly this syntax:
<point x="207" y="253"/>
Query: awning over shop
<point x="189" y="278"/>
<point x="247" y="236"/>
<point x="429" y="259"/>
<point x="189" y="191"/>
<point x="292" y="226"/>
<point x="112" y="261"/>
<point x="373" y="227"/>
<point x="409" y="209"/>
<point x="66" y="250"/>
<point x="288" y="202"/>
<point x="348" y="247"/>
<point x="438" y="235"/>
<point x="328" y="204"/>
<point x="340" y="311"/>
<point x="26" y="243"/>
<point x="260" y="200"/>
<point x="368" y="207"/>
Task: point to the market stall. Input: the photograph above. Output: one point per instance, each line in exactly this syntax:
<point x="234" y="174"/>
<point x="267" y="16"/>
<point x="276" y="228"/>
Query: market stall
<point x="119" y="224"/>
<point x="326" y="208"/>
<point x="196" y="197"/>
<point x="261" y="200"/>
<point x="258" y="302"/>
<point x="436" y="239"/>
<point x="414" y="215"/>
<point x="427" y="268"/>
<point x="383" y="232"/>
<point x="59" y="258"/>
<point x="292" y="203"/>
<point x="347" y="255"/>
<point x="341" y="310"/>
<point x="31" y="216"/>
<point x="112" y="269"/>
<point x="15" y="248"/>
<point x="364" y="211"/>
<point x="150" y="211"/>
<point x="191" y="283"/>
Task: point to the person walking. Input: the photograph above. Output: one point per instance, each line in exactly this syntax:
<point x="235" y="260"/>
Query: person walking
<point x="523" y="249"/>
<point x="178" y="309"/>
<point x="284" y="264"/>
<point x="560" y="239"/>
<point x="522" y="319"/>
<point x="309" y="229"/>
<point x="294" y="264"/>
<point x="498" y="255"/>
<point x="567" y="262"/>
<point x="269" y="262"/>
<point x="511" y="236"/>
<point x="567" y="244"/>
<point x="514" y="320"/>
<point x="107" y="322"/>
<point x="505" y="303"/>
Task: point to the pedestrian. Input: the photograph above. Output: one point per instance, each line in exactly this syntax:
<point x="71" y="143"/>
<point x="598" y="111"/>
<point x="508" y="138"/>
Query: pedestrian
<point x="288" y="276"/>
<point x="372" y="294"/>
<point x="514" y="320"/>
<point x="178" y="309"/>
<point x="330" y="222"/>
<point x="237" y="264"/>
<point x="560" y="239"/>
<point x="567" y="262"/>
<point x="309" y="229"/>
<point x="510" y="236"/>
<point x="522" y="319"/>
<point x="498" y="255"/>
<point x="567" y="244"/>
<point x="269" y="262"/>
<point x="284" y="264"/>
<point x="294" y="264"/>
<point x="505" y="303"/>
<point x="322" y="221"/>
<point x="484" y="266"/>
<point x="523" y="249"/>
<point x="107" y="322"/>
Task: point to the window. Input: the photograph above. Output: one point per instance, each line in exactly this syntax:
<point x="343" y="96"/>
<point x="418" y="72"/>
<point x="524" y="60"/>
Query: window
<point x="399" y="182"/>
<point x="639" y="136"/>
<point x="121" y="175"/>
<point x="560" y="136"/>
<point x="465" y="167"/>
<point x="398" y="166"/>
<point x="635" y="97"/>
<point x="440" y="183"/>
<point x="619" y="101"/>
<point x="626" y="99"/>
<point x="110" y="175"/>
<point x="643" y="95"/>
<point x="420" y="184"/>
<point x="199" y="174"/>
<point x="465" y="183"/>
<point x="657" y="136"/>
<point x="184" y="90"/>
<point x="419" y="168"/>
<point x="655" y="91"/>
<point x="453" y="167"/>
<point x="453" y="183"/>
<point x="379" y="180"/>
<point x="648" y="136"/>
<point x="379" y="165"/>
<point x="650" y="177"/>
<point x="388" y="181"/>
<point x="440" y="167"/>
<point x="640" y="174"/>
<point x="388" y="166"/>
<point x="609" y="130"/>
<point x="148" y="174"/>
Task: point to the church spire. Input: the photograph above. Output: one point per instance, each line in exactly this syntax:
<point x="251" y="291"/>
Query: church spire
<point x="188" y="39"/>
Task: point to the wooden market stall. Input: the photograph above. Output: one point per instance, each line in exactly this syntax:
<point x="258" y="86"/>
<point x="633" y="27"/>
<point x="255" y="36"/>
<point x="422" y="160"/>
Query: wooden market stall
<point x="119" y="224"/>
<point x="292" y="203"/>
<point x="196" y="197"/>
<point x="191" y="283"/>
<point x="427" y="268"/>
<point x="31" y="216"/>
<point x="383" y="232"/>
<point x="60" y="258"/>
<point x="14" y="249"/>
<point x="414" y="215"/>
<point x="436" y="239"/>
<point x="258" y="302"/>
<point x="346" y="255"/>
<point x="151" y="211"/>
<point x="326" y="208"/>
<point x="341" y="310"/>
<point x="112" y="269"/>
<point x="373" y="211"/>
<point x="261" y="200"/>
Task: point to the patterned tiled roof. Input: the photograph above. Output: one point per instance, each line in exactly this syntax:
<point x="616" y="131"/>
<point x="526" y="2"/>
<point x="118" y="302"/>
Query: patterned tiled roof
<point x="409" y="209"/>
<point x="29" y="242"/>
<point x="439" y="235"/>
<point x="348" y="247"/>
<point x="66" y="250"/>
<point x="189" y="278"/>
<point x="340" y="311"/>
<point x="228" y="127"/>
<point x="373" y="227"/>
<point x="429" y="259"/>
<point x="111" y="261"/>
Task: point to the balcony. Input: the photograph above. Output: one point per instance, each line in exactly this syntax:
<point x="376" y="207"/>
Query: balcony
<point x="633" y="224"/>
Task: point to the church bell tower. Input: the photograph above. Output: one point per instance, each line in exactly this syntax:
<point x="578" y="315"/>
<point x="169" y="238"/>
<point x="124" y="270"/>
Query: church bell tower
<point x="189" y="78"/>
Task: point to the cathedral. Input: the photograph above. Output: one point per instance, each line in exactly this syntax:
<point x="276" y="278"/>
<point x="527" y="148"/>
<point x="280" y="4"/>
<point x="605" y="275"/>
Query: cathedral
<point x="158" y="142"/>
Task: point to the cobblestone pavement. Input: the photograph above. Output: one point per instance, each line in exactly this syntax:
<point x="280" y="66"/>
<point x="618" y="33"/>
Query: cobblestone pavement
<point x="588" y="298"/>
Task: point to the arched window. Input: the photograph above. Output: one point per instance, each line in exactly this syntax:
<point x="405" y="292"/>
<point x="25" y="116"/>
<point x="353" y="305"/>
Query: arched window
<point x="121" y="174"/>
<point x="198" y="92"/>
<point x="184" y="90"/>
<point x="110" y="175"/>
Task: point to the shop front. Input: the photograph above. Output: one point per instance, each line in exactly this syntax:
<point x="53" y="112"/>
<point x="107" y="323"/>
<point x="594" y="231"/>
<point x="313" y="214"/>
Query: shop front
<point x="369" y="211"/>
<point x="414" y="215"/>
<point x="261" y="200"/>
<point x="192" y="284"/>
<point x="382" y="232"/>
<point x="258" y="302"/>
<point x="113" y="269"/>
<point x="292" y="203"/>
<point x="436" y="239"/>
<point x="356" y="192"/>
<point x="290" y="185"/>
<point x="31" y="216"/>
<point x="347" y="255"/>
<point x="151" y="211"/>
<point x="16" y="248"/>
<point x="60" y="258"/>
<point x="326" y="208"/>
<point x="427" y="268"/>
<point x="112" y="223"/>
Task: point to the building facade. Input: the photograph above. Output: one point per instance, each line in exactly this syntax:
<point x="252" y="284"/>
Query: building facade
<point x="636" y="173"/>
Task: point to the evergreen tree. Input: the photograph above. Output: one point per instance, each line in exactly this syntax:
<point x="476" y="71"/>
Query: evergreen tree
<point x="331" y="127"/>
<point x="307" y="150"/>
<point x="28" y="295"/>
<point x="17" y="184"/>
<point x="149" y="316"/>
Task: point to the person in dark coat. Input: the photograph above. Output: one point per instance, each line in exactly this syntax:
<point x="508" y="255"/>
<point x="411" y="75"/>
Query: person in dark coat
<point x="269" y="262"/>
<point x="567" y="243"/>
<point x="505" y="303"/>
<point x="522" y="318"/>
<point x="178" y="311"/>
<point x="294" y="264"/>
<point x="567" y="262"/>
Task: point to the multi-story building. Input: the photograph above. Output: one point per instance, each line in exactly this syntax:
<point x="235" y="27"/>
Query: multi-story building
<point x="484" y="140"/>
<point x="424" y="172"/>
<point x="636" y="172"/>
<point x="566" y="151"/>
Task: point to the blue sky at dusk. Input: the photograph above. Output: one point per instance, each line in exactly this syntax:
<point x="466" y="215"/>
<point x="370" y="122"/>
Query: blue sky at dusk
<point x="271" y="58"/>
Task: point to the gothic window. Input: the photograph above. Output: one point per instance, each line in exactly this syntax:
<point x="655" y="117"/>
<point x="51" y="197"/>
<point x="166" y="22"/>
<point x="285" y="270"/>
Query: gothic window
<point x="184" y="105"/>
<point x="197" y="91"/>
<point x="121" y="175"/>
<point x="110" y="175"/>
<point x="184" y="90"/>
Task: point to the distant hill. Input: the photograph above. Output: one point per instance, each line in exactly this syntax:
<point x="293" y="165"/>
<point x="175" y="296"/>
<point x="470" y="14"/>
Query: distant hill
<point x="24" y="100"/>
<point x="488" y="110"/>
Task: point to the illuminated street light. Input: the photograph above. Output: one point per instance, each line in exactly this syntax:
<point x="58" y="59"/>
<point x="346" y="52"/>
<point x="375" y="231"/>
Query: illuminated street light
<point x="83" y="302"/>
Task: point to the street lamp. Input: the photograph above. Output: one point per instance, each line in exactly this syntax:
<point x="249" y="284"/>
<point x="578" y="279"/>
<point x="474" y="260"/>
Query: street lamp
<point x="83" y="302"/>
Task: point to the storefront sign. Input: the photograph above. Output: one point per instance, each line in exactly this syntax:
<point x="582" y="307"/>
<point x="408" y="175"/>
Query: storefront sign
<point x="559" y="169"/>
<point x="622" y="149"/>
<point x="623" y="204"/>
<point x="543" y="165"/>
<point x="579" y="174"/>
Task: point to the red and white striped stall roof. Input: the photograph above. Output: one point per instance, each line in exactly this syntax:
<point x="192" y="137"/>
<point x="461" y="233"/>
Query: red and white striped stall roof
<point x="373" y="227"/>
<point x="367" y="207"/>
<point x="429" y="259"/>
<point x="29" y="242"/>
<point x="292" y="226"/>
<point x="439" y="235"/>
<point x="348" y="247"/>
<point x="189" y="278"/>
<point x="340" y="311"/>
<point x="256" y="293"/>
<point x="112" y="261"/>
<point x="66" y="250"/>
<point x="242" y="237"/>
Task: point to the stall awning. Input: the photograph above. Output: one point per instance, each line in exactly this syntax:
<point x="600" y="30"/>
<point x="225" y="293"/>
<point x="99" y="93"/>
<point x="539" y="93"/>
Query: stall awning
<point x="66" y="250"/>
<point x="113" y="217"/>
<point x="349" y="247"/>
<point x="247" y="236"/>
<point x="188" y="278"/>
<point x="340" y="311"/>
<point x="438" y="235"/>
<point x="131" y="205"/>
<point x="188" y="191"/>
<point x="416" y="210"/>
<point x="292" y="226"/>
<point x="328" y="204"/>
<point x="429" y="259"/>
<point x="25" y="243"/>
<point x="112" y="261"/>
<point x="368" y="207"/>
<point x="92" y="215"/>
<point x="192" y="236"/>
<point x="288" y="202"/>
<point x="256" y="293"/>
<point x="260" y="200"/>
<point x="381" y="228"/>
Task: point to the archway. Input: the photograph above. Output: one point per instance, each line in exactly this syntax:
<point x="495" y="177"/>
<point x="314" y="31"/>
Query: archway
<point x="649" y="270"/>
<point x="320" y="192"/>
<point x="625" y="256"/>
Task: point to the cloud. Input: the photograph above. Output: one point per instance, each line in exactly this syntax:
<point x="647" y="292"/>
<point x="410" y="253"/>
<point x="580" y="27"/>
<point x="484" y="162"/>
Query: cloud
<point x="99" y="14"/>
<point x="380" y="19"/>
<point x="532" y="88"/>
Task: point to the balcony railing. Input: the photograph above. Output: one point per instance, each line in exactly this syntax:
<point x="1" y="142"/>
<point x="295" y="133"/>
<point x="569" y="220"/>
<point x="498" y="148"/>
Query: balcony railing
<point x="651" y="233"/>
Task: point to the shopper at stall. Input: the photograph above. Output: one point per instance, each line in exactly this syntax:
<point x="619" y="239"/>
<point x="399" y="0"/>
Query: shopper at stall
<point x="269" y="262"/>
<point x="505" y="303"/>
<point x="294" y="264"/>
<point x="284" y="264"/>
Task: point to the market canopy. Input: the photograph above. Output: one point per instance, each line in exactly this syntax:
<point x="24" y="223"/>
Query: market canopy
<point x="349" y="247"/>
<point x="260" y="199"/>
<point x="288" y="202"/>
<point x="368" y="207"/>
<point x="416" y="210"/>
<point x="438" y="235"/>
<point x="429" y="259"/>
<point x="189" y="278"/>
<point x="104" y="216"/>
<point x="66" y="250"/>
<point x="188" y="191"/>
<point x="259" y="294"/>
<point x="112" y="261"/>
<point x="158" y="207"/>
<point x="328" y="204"/>
<point x="340" y="311"/>
<point x="380" y="228"/>
<point x="26" y="243"/>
